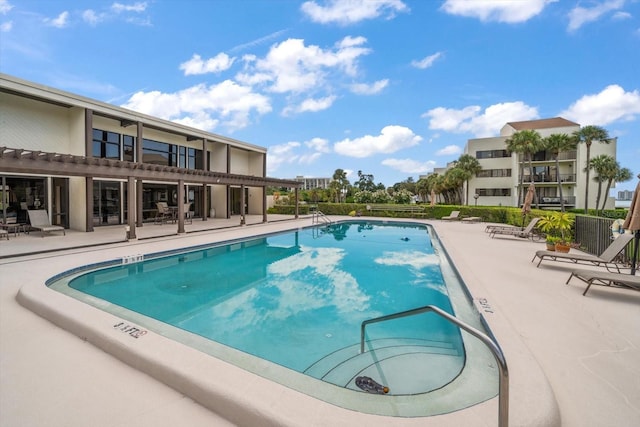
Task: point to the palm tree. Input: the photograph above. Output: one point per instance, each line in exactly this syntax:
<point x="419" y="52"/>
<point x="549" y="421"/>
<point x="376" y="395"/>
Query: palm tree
<point x="604" y="166"/>
<point x="616" y="174"/>
<point x="422" y="188"/>
<point x="525" y="142"/>
<point x="339" y="185"/>
<point x="471" y="166"/>
<point x="453" y="180"/>
<point x="588" y="135"/>
<point x="557" y="143"/>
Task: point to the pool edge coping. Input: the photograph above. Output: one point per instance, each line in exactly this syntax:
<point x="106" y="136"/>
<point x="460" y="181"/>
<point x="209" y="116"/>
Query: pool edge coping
<point x="248" y="404"/>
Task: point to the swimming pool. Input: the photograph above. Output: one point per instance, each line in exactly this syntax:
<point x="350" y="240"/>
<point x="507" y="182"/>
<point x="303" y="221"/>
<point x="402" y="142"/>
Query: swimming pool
<point x="288" y="307"/>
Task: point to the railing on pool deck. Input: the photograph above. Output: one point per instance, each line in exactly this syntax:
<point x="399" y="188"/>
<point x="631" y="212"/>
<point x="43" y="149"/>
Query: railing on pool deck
<point x="503" y="386"/>
<point x="319" y="216"/>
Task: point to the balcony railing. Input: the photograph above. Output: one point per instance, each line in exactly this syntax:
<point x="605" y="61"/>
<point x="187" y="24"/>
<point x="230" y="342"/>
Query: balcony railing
<point x="550" y="178"/>
<point x="543" y="156"/>
<point x="555" y="201"/>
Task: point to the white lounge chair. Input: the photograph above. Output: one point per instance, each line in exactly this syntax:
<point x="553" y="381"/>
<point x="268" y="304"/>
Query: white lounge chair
<point x="605" y="278"/>
<point x="605" y="259"/>
<point x="454" y="215"/>
<point x="39" y="220"/>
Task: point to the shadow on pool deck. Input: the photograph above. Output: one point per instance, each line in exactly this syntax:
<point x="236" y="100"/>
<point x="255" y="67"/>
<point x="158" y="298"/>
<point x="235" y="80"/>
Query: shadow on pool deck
<point x="588" y="347"/>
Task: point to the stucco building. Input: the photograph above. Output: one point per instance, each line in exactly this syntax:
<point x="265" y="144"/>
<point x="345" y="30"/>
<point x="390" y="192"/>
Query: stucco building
<point x="497" y="182"/>
<point x="89" y="163"/>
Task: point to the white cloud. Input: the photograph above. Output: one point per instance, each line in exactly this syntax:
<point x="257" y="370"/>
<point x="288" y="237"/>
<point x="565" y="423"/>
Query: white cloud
<point x="281" y="153"/>
<point x="578" y="16"/>
<point x="291" y="66"/>
<point x="288" y="153"/>
<point x="610" y="105"/>
<point x="60" y="21"/>
<point x="481" y="124"/>
<point x="426" y="62"/>
<point x="310" y="104"/>
<point x="390" y="140"/>
<point x="449" y="150"/>
<point x="496" y="10"/>
<point x="351" y="11"/>
<point x="91" y="17"/>
<point x="196" y="65"/>
<point x="620" y="16"/>
<point x="5" y="6"/>
<point x="319" y="144"/>
<point x="5" y="27"/>
<point x="410" y="166"/>
<point x="227" y="102"/>
<point x="369" y="89"/>
<point x="136" y="7"/>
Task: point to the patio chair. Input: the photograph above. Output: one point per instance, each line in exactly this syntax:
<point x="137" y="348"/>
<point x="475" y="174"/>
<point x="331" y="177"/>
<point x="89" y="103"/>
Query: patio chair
<point x="454" y="215"/>
<point x="187" y="213"/>
<point x="39" y="219"/>
<point x="4" y="233"/>
<point x="606" y="258"/>
<point x="163" y="213"/>
<point x="605" y="278"/>
<point x="527" y="232"/>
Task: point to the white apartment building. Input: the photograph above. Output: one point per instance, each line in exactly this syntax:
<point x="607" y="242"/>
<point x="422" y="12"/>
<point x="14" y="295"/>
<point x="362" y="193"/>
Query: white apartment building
<point x="89" y="163"/>
<point x="497" y="183"/>
<point x="311" y="183"/>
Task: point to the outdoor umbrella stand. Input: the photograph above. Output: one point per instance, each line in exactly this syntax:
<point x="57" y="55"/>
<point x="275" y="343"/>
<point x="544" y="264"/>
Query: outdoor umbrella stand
<point x="528" y="199"/>
<point x="632" y="222"/>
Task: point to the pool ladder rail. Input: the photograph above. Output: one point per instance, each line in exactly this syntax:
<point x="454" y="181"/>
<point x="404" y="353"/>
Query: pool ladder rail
<point x="503" y="387"/>
<point x="318" y="217"/>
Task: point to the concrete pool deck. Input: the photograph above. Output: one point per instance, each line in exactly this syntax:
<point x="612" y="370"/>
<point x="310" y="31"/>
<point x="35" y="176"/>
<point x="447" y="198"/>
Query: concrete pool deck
<point x="581" y="352"/>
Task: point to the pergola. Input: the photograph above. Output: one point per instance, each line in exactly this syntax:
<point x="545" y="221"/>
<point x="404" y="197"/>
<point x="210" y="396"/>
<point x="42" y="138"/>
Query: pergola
<point x="23" y="161"/>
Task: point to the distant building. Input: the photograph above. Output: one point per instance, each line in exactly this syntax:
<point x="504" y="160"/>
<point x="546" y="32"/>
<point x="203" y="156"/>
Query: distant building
<point x="625" y="195"/>
<point x="497" y="182"/>
<point x="311" y="183"/>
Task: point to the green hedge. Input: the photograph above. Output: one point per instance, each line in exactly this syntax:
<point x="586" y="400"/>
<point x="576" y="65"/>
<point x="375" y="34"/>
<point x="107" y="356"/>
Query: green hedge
<point x="289" y="210"/>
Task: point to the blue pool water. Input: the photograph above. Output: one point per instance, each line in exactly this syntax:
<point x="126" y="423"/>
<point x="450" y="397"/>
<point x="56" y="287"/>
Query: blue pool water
<point x="291" y="298"/>
<point x="297" y="299"/>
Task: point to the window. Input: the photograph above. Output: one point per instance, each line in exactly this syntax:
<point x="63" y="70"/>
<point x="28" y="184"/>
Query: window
<point x="493" y="191"/>
<point x="106" y="144"/>
<point x="492" y="154"/>
<point x="129" y="148"/>
<point x="493" y="173"/>
<point x="159" y="153"/>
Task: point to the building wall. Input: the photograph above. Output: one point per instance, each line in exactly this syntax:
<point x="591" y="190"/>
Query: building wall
<point x="566" y="167"/>
<point x="56" y="123"/>
<point x="34" y="125"/>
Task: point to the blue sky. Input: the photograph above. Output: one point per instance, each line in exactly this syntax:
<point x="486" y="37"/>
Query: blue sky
<point x="393" y="88"/>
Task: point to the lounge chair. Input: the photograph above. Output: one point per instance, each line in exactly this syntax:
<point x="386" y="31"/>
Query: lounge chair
<point x="527" y="232"/>
<point x="39" y="219"/>
<point x="604" y="259"/>
<point x="472" y="219"/>
<point x="4" y="233"/>
<point x="605" y="278"/>
<point x="454" y="215"/>
<point x="489" y="228"/>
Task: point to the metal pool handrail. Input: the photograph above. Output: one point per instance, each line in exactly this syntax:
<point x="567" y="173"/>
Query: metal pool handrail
<point x="318" y="216"/>
<point x="503" y="386"/>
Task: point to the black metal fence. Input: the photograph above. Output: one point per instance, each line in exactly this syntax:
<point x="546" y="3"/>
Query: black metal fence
<point x="594" y="235"/>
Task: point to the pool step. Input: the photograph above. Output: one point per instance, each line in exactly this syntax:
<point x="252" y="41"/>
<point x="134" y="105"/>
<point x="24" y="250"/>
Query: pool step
<point x="411" y="366"/>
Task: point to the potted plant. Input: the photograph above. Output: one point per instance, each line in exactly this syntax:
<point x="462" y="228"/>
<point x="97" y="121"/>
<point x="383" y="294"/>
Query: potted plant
<point x="557" y="226"/>
<point x="551" y="242"/>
